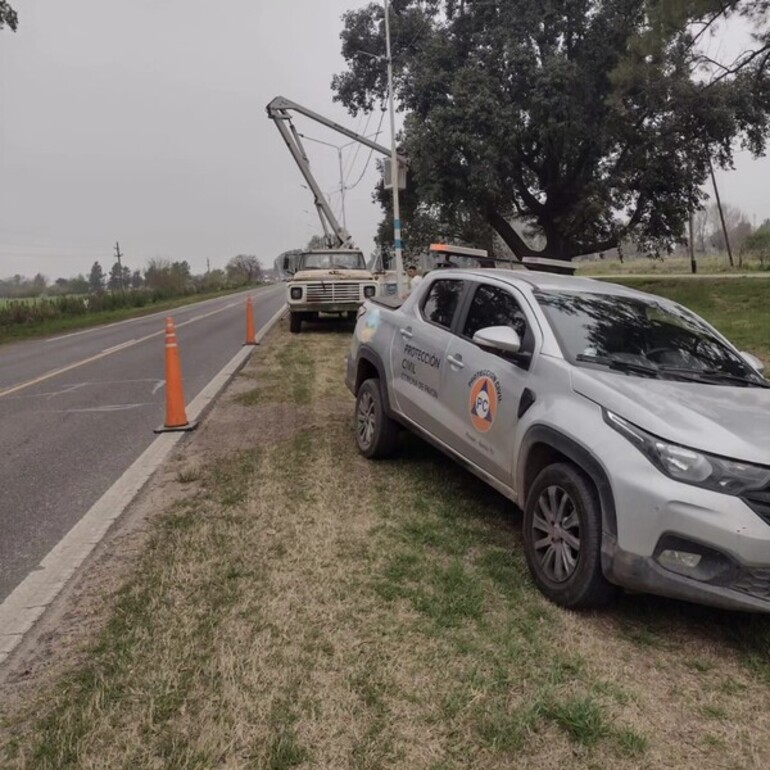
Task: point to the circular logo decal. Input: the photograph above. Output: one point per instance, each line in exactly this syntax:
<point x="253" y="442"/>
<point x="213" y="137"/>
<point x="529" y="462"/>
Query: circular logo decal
<point x="483" y="404"/>
<point x="371" y="324"/>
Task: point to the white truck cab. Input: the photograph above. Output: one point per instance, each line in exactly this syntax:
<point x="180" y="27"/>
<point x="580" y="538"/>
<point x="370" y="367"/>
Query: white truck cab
<point x="327" y="281"/>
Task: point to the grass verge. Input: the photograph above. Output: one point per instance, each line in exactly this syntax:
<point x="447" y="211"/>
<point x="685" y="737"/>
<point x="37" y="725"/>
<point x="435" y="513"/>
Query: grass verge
<point x="739" y="308"/>
<point x="298" y="606"/>
<point x="712" y="264"/>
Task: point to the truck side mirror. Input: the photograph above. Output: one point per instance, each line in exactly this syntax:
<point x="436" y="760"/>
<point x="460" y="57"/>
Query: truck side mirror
<point x="287" y="266"/>
<point x="504" y="341"/>
<point x="498" y="339"/>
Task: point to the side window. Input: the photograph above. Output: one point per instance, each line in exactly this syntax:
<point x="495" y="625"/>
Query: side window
<point x="492" y="306"/>
<point x="440" y="304"/>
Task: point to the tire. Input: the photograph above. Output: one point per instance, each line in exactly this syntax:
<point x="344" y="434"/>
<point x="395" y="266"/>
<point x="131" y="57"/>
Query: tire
<point x="563" y="538"/>
<point x="295" y="323"/>
<point x="376" y="433"/>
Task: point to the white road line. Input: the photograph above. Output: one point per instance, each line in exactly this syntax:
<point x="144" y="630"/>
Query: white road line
<point x="64" y="369"/>
<point x="27" y="602"/>
<point x="116" y="348"/>
<point x="102" y="408"/>
<point x="160" y="313"/>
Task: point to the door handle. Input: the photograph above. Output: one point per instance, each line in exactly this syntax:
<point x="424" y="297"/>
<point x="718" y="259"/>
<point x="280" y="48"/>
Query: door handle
<point x="456" y="361"/>
<point x="407" y="333"/>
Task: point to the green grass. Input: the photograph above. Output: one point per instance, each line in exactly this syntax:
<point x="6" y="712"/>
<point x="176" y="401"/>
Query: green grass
<point x="739" y="308"/>
<point x="713" y="264"/>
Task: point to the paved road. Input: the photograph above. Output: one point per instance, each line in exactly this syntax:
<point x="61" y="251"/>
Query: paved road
<point x="76" y="410"/>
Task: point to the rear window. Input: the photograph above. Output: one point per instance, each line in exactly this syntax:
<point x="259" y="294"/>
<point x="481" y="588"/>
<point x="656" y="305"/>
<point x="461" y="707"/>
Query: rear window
<point x="440" y="304"/>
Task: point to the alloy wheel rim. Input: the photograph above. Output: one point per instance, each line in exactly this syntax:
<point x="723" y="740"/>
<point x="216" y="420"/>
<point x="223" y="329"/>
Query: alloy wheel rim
<point x="365" y="420"/>
<point x="556" y="534"/>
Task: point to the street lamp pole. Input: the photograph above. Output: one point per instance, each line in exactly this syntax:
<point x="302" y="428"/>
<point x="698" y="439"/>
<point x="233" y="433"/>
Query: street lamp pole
<point x="339" y="149"/>
<point x="342" y="188"/>
<point x="394" y="164"/>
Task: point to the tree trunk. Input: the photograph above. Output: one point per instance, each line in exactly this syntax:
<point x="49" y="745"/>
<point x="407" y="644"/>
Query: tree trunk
<point x="556" y="246"/>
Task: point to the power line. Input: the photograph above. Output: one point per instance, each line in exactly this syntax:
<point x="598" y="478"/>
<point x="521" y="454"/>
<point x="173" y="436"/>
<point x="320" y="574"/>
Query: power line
<point x="371" y="152"/>
<point x="358" y="148"/>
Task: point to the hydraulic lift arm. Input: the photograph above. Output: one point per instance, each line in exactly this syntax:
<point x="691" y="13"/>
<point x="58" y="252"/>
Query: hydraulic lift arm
<point x="279" y="111"/>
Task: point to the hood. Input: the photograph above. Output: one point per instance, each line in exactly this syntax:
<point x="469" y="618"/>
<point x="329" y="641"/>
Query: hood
<point x="333" y="275"/>
<point x="733" y="422"/>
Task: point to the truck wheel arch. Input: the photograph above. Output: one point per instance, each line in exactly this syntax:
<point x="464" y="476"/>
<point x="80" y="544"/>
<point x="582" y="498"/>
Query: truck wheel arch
<point x="368" y="366"/>
<point x="543" y="446"/>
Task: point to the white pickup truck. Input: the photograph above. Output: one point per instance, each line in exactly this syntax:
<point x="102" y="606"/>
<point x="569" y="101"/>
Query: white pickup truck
<point x="632" y="434"/>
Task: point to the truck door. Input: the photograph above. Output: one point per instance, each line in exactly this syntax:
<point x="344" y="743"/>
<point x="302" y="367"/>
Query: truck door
<point x="482" y="389"/>
<point x="418" y="355"/>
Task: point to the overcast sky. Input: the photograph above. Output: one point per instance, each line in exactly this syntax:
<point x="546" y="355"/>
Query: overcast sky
<point x="145" y="122"/>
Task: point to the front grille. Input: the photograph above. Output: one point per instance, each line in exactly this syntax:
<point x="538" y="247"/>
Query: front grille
<point x="755" y="582"/>
<point x="327" y="291"/>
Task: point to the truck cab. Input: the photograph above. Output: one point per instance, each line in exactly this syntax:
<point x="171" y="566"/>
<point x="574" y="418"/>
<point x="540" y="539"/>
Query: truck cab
<point x="327" y="281"/>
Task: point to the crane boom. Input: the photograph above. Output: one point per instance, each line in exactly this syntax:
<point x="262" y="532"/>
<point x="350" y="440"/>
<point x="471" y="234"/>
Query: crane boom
<point x="279" y="111"/>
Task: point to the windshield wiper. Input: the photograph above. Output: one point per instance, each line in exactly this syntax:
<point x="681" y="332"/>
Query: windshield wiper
<point x="710" y="375"/>
<point x="621" y="364"/>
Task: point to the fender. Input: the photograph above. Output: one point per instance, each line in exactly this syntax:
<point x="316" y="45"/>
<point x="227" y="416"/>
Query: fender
<point x="580" y="456"/>
<point x="369" y="355"/>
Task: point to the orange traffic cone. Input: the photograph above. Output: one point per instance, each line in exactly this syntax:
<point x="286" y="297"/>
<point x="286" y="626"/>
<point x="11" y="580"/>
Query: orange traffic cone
<point x="176" y="417"/>
<point x="251" y="332"/>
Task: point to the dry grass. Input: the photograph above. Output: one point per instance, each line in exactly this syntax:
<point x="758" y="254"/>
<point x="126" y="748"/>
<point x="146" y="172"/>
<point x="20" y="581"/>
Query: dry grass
<point x="302" y="607"/>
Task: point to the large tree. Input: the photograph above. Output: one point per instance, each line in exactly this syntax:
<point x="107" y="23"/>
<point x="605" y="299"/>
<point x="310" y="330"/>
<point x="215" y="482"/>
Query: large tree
<point x="8" y="16"/>
<point x="580" y="122"/>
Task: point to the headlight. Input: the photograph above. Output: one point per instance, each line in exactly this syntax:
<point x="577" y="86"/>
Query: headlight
<point x="295" y="292"/>
<point x="690" y="466"/>
<point x="369" y="291"/>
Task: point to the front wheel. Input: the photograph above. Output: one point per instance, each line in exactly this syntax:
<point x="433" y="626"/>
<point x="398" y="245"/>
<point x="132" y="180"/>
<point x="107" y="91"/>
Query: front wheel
<point x="563" y="537"/>
<point x="295" y="323"/>
<point x="376" y="433"/>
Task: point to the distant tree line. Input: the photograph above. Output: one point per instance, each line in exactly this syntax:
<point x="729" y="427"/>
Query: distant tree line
<point x="37" y="300"/>
<point x="162" y="277"/>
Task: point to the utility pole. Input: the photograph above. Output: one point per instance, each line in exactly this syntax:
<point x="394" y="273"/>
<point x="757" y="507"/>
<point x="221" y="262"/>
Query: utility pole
<point x="120" y="265"/>
<point x="208" y="266"/>
<point x="394" y="164"/>
<point x="721" y="214"/>
<point x="693" y="265"/>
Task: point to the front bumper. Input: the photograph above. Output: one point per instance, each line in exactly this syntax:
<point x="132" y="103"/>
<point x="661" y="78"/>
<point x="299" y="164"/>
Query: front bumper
<point x="324" y="307"/>
<point x="738" y="588"/>
<point x="656" y="513"/>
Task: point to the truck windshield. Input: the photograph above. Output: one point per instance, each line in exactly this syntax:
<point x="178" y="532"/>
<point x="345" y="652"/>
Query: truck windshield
<point x="641" y="335"/>
<point x="327" y="260"/>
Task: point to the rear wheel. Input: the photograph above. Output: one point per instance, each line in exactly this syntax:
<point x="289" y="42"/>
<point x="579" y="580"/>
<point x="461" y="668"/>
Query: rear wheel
<point x="563" y="537"/>
<point x="295" y="323"/>
<point x="376" y="433"/>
